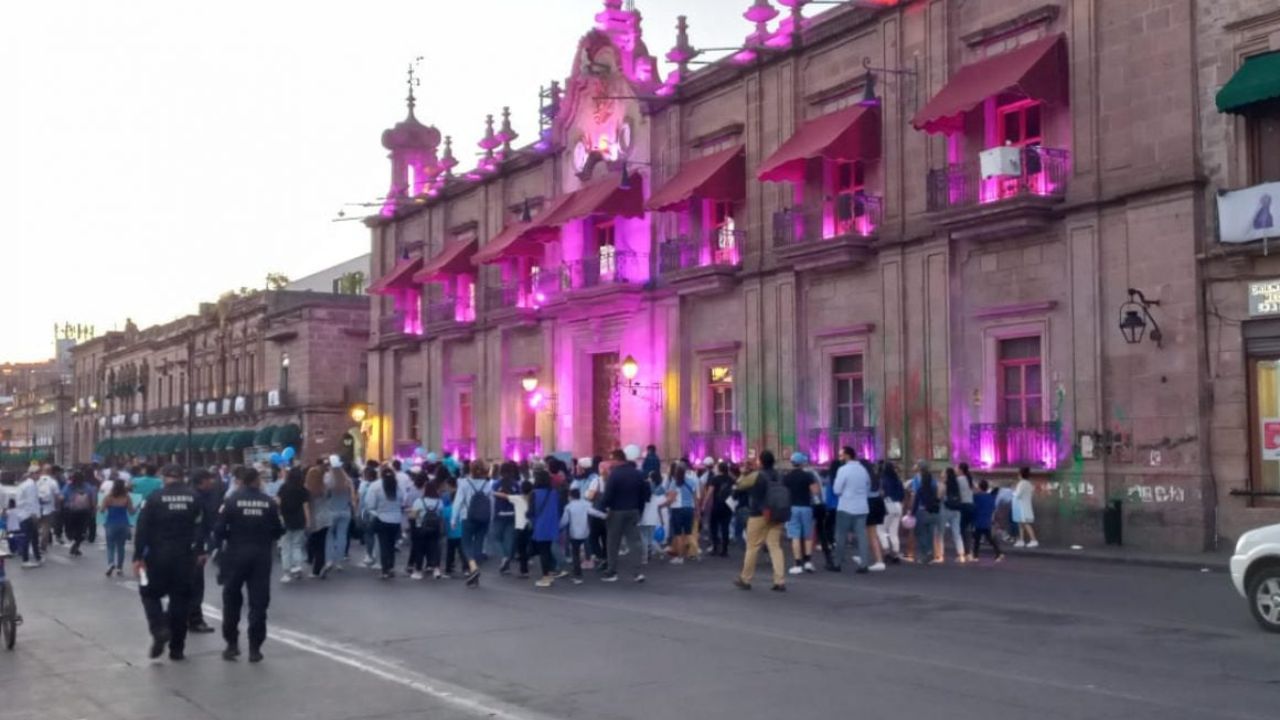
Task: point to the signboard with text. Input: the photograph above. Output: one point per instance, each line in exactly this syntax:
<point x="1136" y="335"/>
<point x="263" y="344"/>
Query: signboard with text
<point x="1271" y="438"/>
<point x="1264" y="298"/>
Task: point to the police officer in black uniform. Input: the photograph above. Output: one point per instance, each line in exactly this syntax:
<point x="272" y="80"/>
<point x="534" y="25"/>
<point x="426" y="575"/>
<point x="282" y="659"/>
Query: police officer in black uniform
<point x="208" y="489"/>
<point x="247" y="529"/>
<point x="167" y="547"/>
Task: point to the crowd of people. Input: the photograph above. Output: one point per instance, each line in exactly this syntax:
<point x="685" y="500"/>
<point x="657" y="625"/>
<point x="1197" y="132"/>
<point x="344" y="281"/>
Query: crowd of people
<point x="434" y="517"/>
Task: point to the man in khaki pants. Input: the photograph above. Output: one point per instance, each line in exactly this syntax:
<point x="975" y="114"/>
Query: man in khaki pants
<point x="762" y="530"/>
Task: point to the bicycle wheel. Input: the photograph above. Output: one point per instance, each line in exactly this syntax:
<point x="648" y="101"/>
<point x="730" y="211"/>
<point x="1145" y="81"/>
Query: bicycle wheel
<point x="8" y="616"/>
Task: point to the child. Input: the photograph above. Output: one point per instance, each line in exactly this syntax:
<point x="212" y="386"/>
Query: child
<point x="524" y="531"/>
<point x="984" y="510"/>
<point x="651" y="518"/>
<point x="576" y="519"/>
<point x="453" y="545"/>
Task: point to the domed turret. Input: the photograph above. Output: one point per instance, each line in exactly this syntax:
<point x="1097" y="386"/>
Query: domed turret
<point x="412" y="149"/>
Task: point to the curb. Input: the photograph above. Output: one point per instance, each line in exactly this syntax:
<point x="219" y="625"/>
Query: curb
<point x="1211" y="563"/>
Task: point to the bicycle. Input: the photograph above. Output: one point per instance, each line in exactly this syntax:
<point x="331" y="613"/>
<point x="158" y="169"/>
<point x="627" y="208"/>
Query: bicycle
<point x="9" y="617"/>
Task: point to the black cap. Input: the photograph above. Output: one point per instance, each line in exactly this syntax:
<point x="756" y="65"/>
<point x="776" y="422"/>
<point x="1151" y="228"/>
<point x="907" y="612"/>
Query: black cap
<point x="173" y="471"/>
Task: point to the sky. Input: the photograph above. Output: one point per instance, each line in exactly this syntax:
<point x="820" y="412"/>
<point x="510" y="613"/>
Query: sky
<point x="155" y="154"/>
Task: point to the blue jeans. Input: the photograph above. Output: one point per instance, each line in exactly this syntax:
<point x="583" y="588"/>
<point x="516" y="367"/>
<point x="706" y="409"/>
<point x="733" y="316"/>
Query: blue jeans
<point x="117" y="536"/>
<point x="336" y="551"/>
<point x="927" y="526"/>
<point x="857" y="524"/>
<point x="369" y="538"/>
<point x="473" y="532"/>
<point x="504" y="534"/>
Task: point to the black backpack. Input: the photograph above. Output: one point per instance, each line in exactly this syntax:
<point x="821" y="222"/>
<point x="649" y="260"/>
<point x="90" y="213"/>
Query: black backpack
<point x="430" y="521"/>
<point x="777" y="499"/>
<point x="929" y="494"/>
<point x="478" y="508"/>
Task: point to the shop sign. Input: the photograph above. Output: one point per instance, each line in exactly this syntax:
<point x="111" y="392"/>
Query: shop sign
<point x="1264" y="298"/>
<point x="1271" y="438"/>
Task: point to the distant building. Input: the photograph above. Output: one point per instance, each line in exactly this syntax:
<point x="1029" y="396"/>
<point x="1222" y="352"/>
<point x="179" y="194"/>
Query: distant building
<point x="34" y="413"/>
<point x="347" y="278"/>
<point x="241" y="378"/>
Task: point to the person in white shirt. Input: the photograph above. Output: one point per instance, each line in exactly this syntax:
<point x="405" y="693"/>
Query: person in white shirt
<point x="852" y="486"/>
<point x="50" y="495"/>
<point x="1023" y="512"/>
<point x="25" y="516"/>
<point x="576" y="518"/>
<point x="651" y="519"/>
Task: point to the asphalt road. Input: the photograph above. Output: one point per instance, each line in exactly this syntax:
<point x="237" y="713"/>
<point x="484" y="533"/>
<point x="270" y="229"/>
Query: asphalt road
<point x="1028" y="638"/>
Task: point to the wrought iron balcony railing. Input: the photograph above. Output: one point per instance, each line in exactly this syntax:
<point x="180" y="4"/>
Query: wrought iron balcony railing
<point x="716" y="445"/>
<point x="1044" y="173"/>
<point x="825" y="444"/>
<point x="718" y="248"/>
<point x="1033" y="445"/>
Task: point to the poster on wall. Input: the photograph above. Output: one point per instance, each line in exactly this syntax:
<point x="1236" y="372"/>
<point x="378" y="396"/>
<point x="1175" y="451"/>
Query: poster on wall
<point x="1271" y="438"/>
<point x="1249" y="214"/>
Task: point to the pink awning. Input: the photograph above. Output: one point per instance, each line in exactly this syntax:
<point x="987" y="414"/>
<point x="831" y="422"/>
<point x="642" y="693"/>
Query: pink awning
<point x="399" y="278"/>
<point x="1037" y="70"/>
<point x="521" y="238"/>
<point x="718" y="176"/>
<point x="849" y="134"/>
<point x="605" y="196"/>
<point x="455" y="259"/>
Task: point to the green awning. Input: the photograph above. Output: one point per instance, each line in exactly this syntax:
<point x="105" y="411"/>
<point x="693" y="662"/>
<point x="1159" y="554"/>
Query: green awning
<point x="1256" y="81"/>
<point x="286" y="435"/>
<point x="145" y="443"/>
<point x="219" y="441"/>
<point x="240" y="439"/>
<point x="263" y="436"/>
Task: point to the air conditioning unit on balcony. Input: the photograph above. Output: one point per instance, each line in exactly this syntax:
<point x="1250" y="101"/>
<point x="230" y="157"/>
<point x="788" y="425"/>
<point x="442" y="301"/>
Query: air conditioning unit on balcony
<point x="1001" y="161"/>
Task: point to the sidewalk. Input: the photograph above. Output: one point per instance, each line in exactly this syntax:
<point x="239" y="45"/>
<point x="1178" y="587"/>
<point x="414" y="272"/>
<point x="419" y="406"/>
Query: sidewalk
<point x="1213" y="562"/>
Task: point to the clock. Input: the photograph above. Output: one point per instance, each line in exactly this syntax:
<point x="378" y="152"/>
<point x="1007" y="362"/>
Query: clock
<point x="580" y="155"/>
<point x="624" y="135"/>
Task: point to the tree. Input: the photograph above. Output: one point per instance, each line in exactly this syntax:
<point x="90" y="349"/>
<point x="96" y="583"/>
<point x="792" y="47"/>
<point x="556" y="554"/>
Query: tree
<point x="277" y="281"/>
<point x="351" y="283"/>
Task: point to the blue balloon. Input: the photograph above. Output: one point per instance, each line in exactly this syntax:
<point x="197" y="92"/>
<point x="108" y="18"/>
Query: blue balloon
<point x="277" y="459"/>
<point x="288" y="454"/>
<point x="420" y="452"/>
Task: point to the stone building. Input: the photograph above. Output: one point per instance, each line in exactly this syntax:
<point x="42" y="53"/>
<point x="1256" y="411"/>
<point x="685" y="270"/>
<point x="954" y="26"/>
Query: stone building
<point x="954" y="232"/>
<point x="243" y="377"/>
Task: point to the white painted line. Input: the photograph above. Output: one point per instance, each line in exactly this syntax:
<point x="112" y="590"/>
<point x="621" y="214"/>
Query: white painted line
<point x="383" y="669"/>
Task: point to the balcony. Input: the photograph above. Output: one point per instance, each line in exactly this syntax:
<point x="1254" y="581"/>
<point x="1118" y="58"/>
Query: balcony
<point x="838" y="235"/>
<point x="961" y="200"/>
<point x="603" y="271"/>
<point x="716" y="445"/>
<point x="462" y="448"/>
<point x="998" y="445"/>
<point x="825" y="443"/>
<point x="695" y="266"/>
<point x="399" y="326"/>
<point x="509" y="302"/>
<point x="449" y="317"/>
<point x="519" y="449"/>
<point x="610" y="282"/>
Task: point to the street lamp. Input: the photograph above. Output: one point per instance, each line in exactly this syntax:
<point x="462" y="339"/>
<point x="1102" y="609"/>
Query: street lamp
<point x="653" y="391"/>
<point x="529" y="382"/>
<point x="284" y="377"/>
<point x="1135" y="315"/>
<point x="359" y="412"/>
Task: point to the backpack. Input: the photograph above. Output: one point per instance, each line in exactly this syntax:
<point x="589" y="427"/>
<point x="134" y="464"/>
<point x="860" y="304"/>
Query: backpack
<point x="429" y="519"/>
<point x="80" y="499"/>
<point x="929" y="495"/>
<point x="478" y="509"/>
<point x="777" y="500"/>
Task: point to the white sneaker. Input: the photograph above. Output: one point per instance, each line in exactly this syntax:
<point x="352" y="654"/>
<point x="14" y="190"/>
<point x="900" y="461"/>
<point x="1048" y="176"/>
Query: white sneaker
<point x="857" y="560"/>
<point x="878" y="567"/>
<point x="29" y="564"/>
<point x="677" y="561"/>
<point x="796" y="570"/>
<point x="286" y="578"/>
<point x="1020" y="544"/>
<point x="808" y="567"/>
<point x="416" y="575"/>
<point x="1033" y="544"/>
<point x="368" y="562"/>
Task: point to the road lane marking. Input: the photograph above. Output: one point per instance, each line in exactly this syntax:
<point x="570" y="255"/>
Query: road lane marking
<point x="457" y="696"/>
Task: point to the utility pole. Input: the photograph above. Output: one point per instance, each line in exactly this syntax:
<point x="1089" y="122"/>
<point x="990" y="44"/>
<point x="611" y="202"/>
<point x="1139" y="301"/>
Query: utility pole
<point x="191" y="411"/>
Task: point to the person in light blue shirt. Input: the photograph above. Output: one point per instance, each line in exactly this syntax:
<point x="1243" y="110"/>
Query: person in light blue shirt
<point x="852" y="487"/>
<point x="386" y="503"/>
<point x="577" y="519"/>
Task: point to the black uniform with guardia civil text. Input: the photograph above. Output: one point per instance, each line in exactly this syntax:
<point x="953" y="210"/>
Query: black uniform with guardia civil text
<point x="247" y="528"/>
<point x="209" y="501"/>
<point x="168" y="542"/>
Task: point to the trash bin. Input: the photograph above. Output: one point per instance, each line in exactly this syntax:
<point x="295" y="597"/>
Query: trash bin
<point x="1113" y="523"/>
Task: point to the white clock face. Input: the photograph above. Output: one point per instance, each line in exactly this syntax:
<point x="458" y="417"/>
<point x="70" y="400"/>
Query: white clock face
<point x="580" y="154"/>
<point x="624" y="135"/>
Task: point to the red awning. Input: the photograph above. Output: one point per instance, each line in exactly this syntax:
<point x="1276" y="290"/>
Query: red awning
<point x="849" y="134"/>
<point x="605" y="196"/>
<point x="455" y="259"/>
<point x="521" y="238"/>
<point x="400" y="276"/>
<point x="1037" y="70"/>
<point x="718" y="176"/>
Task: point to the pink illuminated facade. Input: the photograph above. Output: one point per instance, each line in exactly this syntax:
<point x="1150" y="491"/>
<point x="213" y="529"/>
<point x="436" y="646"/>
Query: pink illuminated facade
<point x="900" y="226"/>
